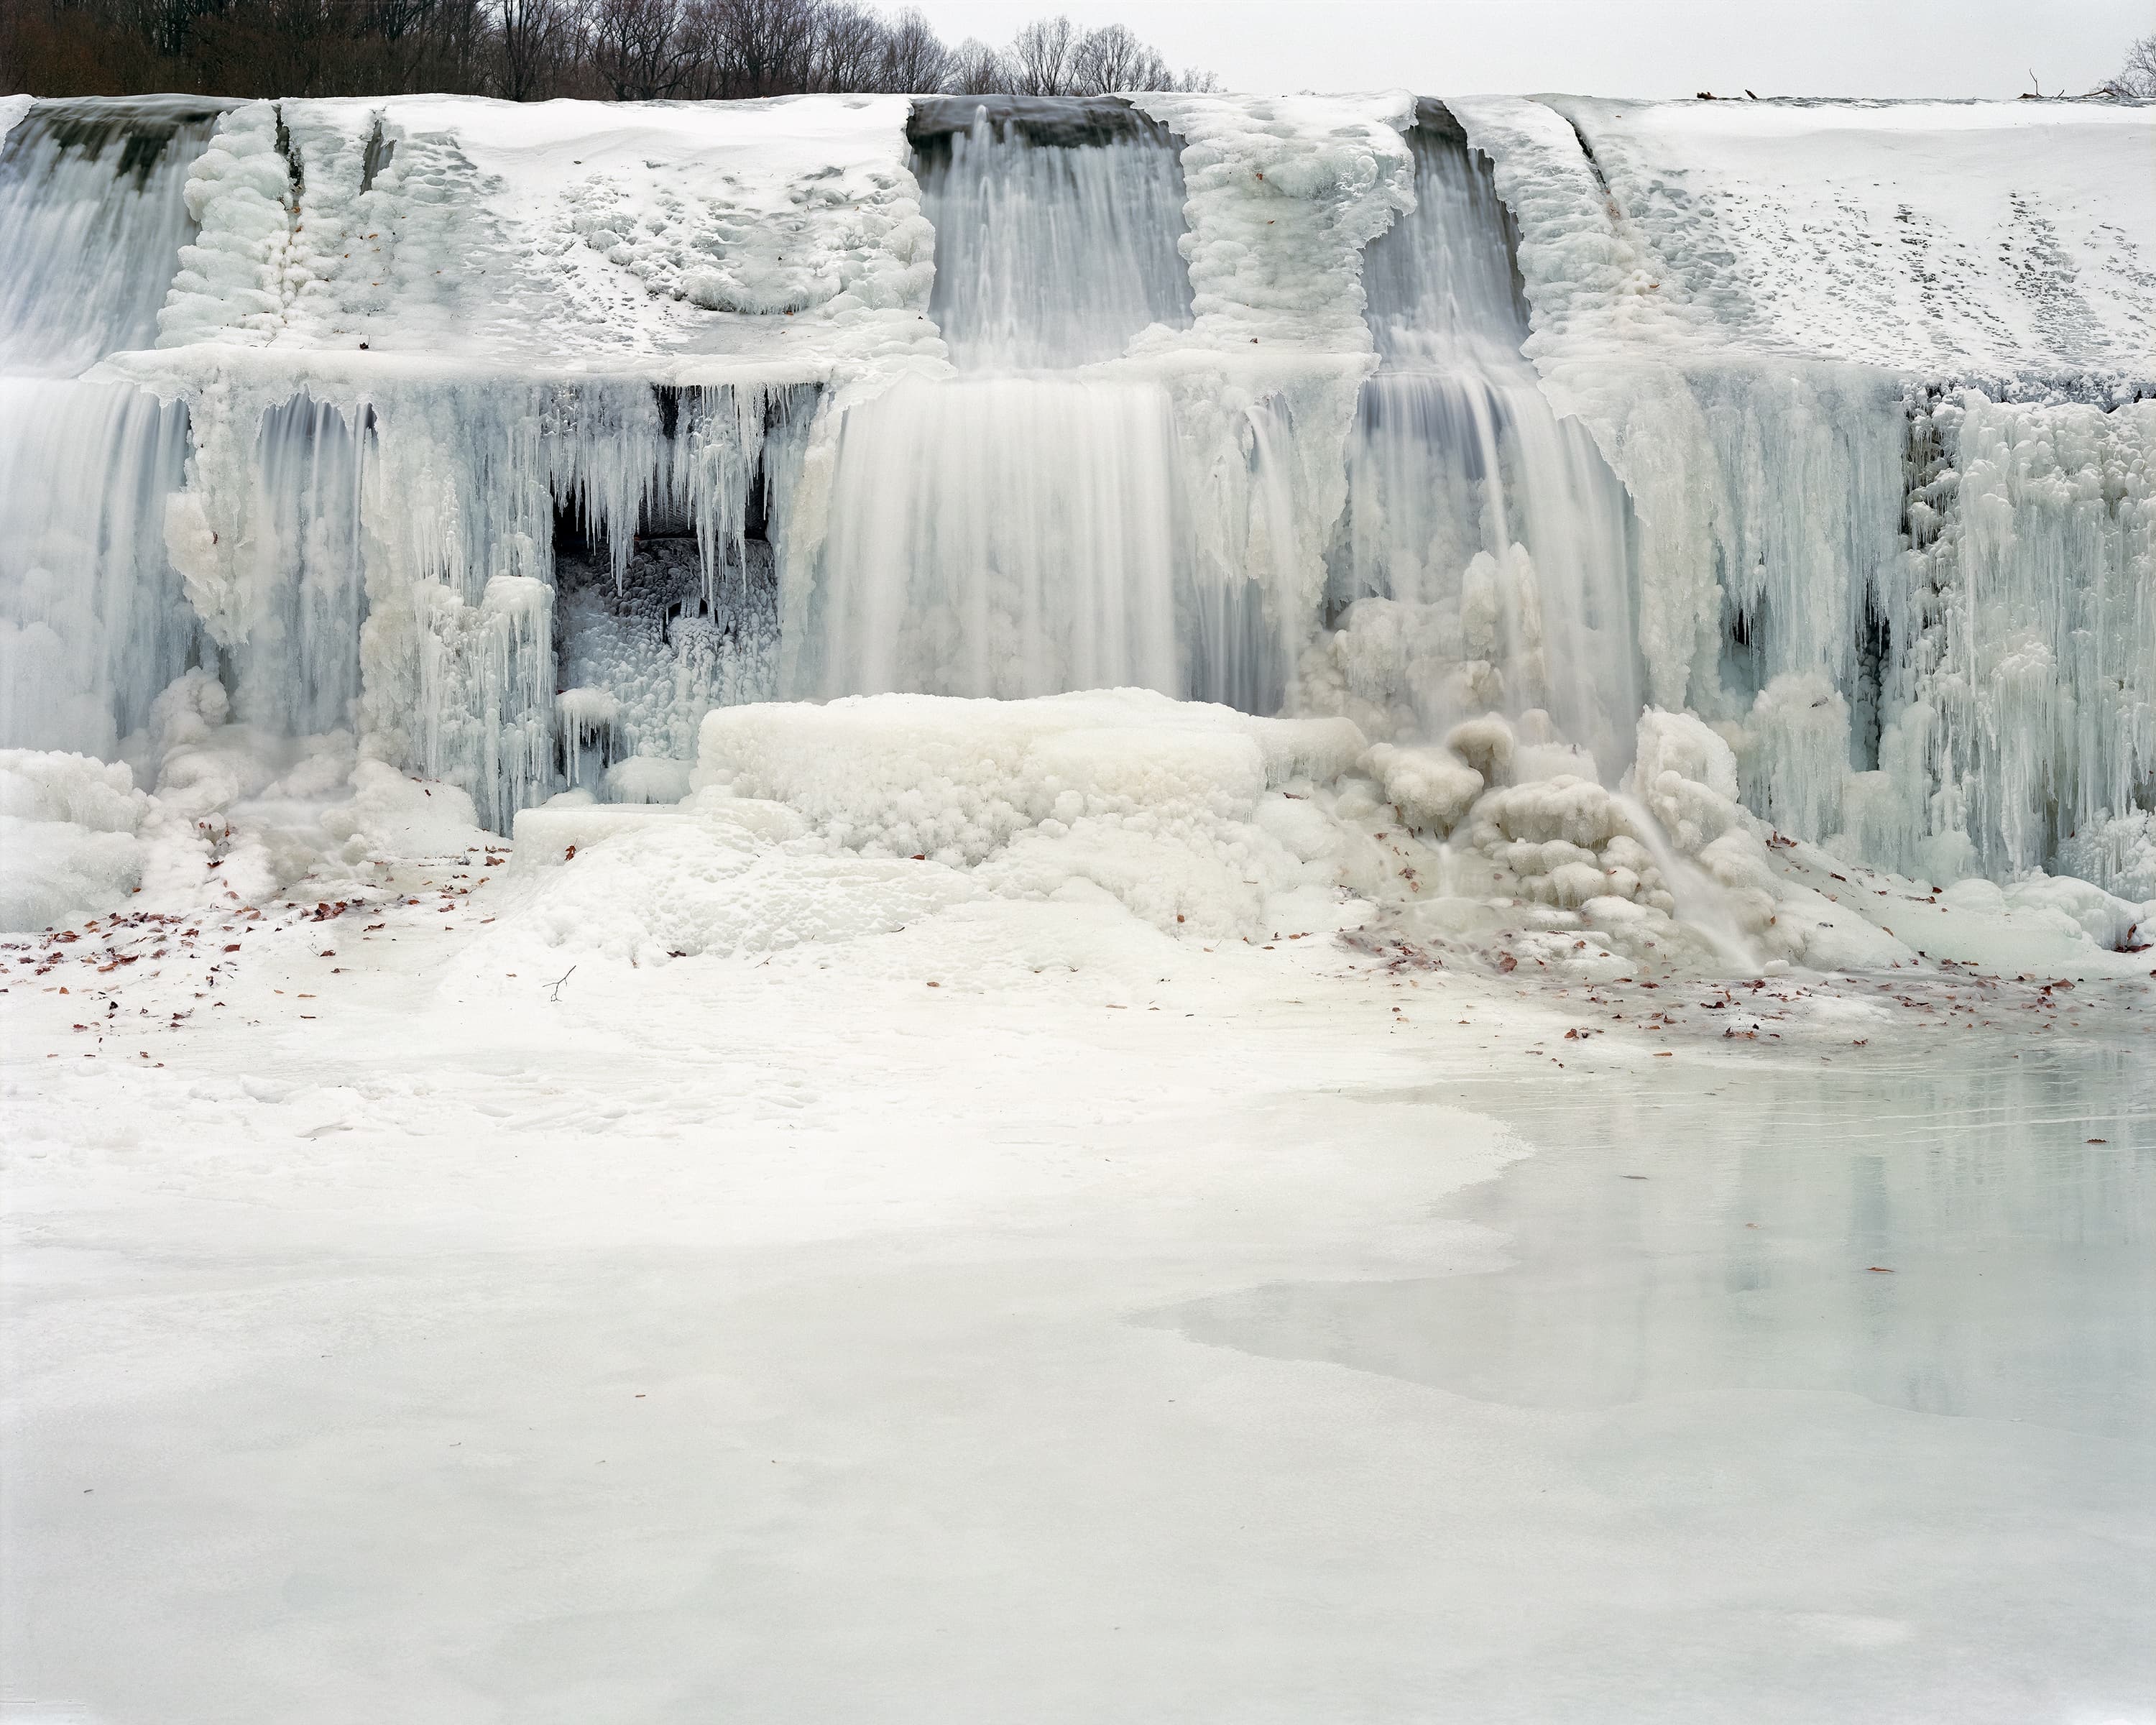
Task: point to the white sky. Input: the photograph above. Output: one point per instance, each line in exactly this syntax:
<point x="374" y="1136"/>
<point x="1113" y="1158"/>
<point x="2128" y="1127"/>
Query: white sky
<point x="1626" y="48"/>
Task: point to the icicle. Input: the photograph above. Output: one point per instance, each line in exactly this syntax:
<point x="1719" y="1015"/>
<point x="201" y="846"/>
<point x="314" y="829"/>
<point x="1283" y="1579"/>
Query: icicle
<point x="2045" y="597"/>
<point x="516" y="715"/>
<point x="298" y="673"/>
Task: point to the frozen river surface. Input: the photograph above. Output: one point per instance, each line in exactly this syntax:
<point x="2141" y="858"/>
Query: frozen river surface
<point x="1179" y="1338"/>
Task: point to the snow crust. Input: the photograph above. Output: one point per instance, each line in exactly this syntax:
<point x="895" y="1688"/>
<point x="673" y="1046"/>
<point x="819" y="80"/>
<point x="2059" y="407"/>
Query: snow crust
<point x="1911" y="235"/>
<point x="1972" y="240"/>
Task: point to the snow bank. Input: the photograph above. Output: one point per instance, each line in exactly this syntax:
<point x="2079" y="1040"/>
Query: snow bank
<point x="725" y="880"/>
<point x="1992" y="239"/>
<point x="391" y="816"/>
<point x="1977" y="238"/>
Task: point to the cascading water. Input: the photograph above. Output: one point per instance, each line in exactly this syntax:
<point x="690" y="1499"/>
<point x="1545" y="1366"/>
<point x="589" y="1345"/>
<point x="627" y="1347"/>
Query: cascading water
<point x="1021" y="530"/>
<point x="90" y="205"/>
<point x="1005" y="537"/>
<point x="1484" y="563"/>
<point x="1051" y="256"/>
<point x="298" y="671"/>
<point x="93" y="621"/>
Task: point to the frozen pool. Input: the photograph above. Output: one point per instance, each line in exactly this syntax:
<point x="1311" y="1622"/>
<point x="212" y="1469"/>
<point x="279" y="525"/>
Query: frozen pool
<point x="822" y="1346"/>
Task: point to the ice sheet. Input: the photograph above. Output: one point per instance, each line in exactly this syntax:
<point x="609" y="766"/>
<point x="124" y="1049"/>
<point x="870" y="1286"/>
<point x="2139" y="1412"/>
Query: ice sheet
<point x="785" y="1336"/>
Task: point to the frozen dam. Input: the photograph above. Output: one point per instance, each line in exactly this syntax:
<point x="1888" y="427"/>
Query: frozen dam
<point x="1797" y="454"/>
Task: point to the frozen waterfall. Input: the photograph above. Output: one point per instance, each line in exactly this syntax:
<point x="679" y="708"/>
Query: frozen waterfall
<point x="505" y="444"/>
<point x="1051" y="254"/>
<point x="93" y="621"/>
<point x="91" y="205"/>
<point x="1003" y="536"/>
<point x="1484" y="563"/>
<point x="1019" y="529"/>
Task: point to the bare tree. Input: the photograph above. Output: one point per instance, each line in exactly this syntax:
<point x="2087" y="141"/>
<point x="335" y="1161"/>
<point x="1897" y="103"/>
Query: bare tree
<point x="1051" y="57"/>
<point x="697" y="43"/>
<point x="631" y="45"/>
<point x="767" y="47"/>
<point x="915" y="61"/>
<point x="847" y="51"/>
<point x="1043" y="57"/>
<point x="531" y="40"/>
<point x="978" y="69"/>
<point x="1112" y="57"/>
<point x="2137" y="76"/>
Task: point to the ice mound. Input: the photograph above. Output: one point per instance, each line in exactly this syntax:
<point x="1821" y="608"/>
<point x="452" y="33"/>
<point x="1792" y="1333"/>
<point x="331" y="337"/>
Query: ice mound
<point x="812" y="825"/>
<point x="647" y="778"/>
<point x="233" y="815"/>
<point x="2118" y="853"/>
<point x="79" y="837"/>
<point x="1432" y="788"/>
<point x="1122" y="793"/>
<point x="68" y="831"/>
<point x="230" y="286"/>
<point x="957" y="780"/>
<point x="1512" y="850"/>
<point x="1283" y="193"/>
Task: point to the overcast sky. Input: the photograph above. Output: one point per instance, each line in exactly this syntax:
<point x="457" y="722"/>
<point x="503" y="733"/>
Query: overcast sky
<point x="1627" y="47"/>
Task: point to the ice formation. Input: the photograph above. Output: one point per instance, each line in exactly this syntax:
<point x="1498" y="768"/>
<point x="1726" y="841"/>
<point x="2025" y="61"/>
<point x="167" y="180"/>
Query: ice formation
<point x="1652" y="503"/>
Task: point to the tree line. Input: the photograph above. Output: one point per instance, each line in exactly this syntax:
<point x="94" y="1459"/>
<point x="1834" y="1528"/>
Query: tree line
<point x="529" y="50"/>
